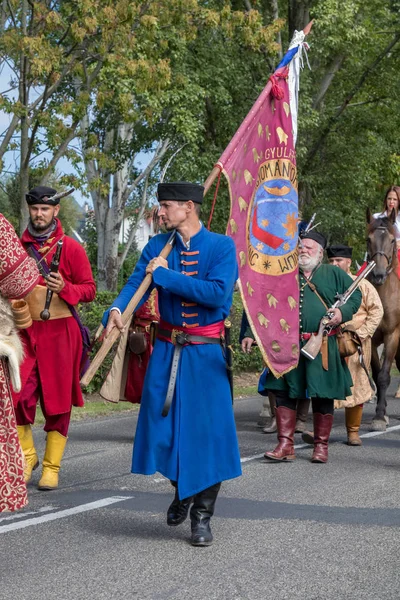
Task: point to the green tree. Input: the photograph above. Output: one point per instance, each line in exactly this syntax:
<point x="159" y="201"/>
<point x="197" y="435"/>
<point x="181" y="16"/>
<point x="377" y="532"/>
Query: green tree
<point x="70" y="212"/>
<point x="349" y="114"/>
<point x="347" y="147"/>
<point x="55" y="53"/>
<point x="157" y="101"/>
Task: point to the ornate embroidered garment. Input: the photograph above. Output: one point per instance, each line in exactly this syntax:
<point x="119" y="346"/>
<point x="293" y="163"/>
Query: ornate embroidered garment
<point x="18" y="276"/>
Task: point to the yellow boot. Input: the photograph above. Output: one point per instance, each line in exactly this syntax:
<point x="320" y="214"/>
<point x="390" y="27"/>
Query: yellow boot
<point x="28" y="448"/>
<point x="353" y="422"/>
<point x="55" y="445"/>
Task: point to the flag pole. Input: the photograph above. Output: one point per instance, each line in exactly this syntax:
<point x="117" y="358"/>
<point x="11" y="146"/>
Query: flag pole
<point x="218" y="167"/>
<point x="211" y="178"/>
<point x="126" y="316"/>
<point x="144" y="286"/>
<point x="133" y="303"/>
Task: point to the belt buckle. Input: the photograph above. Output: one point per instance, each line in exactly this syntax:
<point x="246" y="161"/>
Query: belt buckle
<point x="174" y="333"/>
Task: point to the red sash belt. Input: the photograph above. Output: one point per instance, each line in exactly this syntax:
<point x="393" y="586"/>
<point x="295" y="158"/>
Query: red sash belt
<point x="183" y="336"/>
<point x="306" y="336"/>
<point x="168" y="332"/>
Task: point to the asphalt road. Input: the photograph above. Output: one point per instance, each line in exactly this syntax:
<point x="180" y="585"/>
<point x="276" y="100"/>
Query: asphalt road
<point x="282" y="531"/>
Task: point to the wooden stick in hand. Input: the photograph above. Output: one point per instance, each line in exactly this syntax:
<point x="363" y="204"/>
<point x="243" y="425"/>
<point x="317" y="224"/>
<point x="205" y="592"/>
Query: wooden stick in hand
<point x="126" y="316"/>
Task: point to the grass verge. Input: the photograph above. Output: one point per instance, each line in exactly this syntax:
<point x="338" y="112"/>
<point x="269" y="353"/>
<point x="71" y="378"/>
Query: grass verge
<point x="96" y="406"/>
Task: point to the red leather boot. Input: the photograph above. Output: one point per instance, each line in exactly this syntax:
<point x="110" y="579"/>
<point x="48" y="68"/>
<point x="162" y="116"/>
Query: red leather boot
<point x="322" y="430"/>
<point x="286" y="423"/>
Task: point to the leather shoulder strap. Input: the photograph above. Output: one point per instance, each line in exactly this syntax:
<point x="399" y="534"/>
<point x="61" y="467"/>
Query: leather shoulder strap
<point x="313" y="288"/>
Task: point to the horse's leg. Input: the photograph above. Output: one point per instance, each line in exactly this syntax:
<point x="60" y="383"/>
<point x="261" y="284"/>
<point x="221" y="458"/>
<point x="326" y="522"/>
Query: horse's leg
<point x="397" y="394"/>
<point x="391" y="342"/>
<point x="375" y="363"/>
<point x="376" y="343"/>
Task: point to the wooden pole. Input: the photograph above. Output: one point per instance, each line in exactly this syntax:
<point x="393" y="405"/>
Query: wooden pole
<point x="211" y="178"/>
<point x="144" y="286"/>
<point x="126" y="316"/>
<point x="136" y="298"/>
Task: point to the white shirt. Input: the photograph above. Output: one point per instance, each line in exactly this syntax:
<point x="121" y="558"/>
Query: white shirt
<point x="396" y="224"/>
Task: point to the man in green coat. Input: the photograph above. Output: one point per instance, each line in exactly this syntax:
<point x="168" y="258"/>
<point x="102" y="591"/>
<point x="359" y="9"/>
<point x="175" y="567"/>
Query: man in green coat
<point x="324" y="378"/>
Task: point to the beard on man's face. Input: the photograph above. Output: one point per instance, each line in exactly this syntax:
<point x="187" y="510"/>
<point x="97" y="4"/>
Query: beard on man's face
<point x="309" y="262"/>
<point x="40" y="224"/>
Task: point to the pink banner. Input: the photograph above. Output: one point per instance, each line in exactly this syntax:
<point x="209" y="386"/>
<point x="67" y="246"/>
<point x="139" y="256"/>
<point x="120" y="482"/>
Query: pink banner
<point x="260" y="166"/>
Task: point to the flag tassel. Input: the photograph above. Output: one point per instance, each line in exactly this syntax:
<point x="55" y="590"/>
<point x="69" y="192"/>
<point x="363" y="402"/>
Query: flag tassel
<point x="276" y="91"/>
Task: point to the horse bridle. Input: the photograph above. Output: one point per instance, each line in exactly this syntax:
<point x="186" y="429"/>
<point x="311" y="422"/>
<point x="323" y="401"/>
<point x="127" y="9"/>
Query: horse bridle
<point x="389" y="259"/>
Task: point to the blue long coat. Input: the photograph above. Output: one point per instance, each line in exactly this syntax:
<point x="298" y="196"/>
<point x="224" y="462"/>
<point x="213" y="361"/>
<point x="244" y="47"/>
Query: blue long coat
<point x="196" y="443"/>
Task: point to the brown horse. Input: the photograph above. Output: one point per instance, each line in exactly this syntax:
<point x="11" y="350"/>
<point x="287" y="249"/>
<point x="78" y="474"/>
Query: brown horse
<point x="381" y="247"/>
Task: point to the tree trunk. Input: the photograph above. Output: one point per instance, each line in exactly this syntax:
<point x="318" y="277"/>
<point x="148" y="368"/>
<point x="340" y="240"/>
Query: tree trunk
<point x="333" y="68"/>
<point x="109" y="211"/>
<point x="101" y="209"/>
<point x="109" y="279"/>
<point x="108" y="225"/>
<point x="24" y="175"/>
<point x="305" y="195"/>
<point x="298" y="15"/>
<point x="3" y="14"/>
<point x="275" y="16"/>
<point x="134" y="226"/>
<point x="24" y="124"/>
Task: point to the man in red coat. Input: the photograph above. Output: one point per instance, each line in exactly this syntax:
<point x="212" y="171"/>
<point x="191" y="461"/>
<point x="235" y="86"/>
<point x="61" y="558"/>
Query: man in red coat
<point x="53" y="348"/>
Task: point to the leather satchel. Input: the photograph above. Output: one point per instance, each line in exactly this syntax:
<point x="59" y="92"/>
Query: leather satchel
<point x="347" y="340"/>
<point x="137" y="341"/>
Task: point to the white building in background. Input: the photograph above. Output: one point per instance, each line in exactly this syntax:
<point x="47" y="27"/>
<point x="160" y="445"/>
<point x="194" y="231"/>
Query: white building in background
<point x="144" y="231"/>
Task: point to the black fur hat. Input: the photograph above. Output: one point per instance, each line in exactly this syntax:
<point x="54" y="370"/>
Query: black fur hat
<point x="316" y="236"/>
<point x="42" y="195"/>
<point x="181" y="191"/>
<point x="339" y="250"/>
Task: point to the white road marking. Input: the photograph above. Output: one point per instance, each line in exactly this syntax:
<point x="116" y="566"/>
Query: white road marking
<point x="375" y="433"/>
<point x="21" y="515"/>
<point x="249" y="458"/>
<point x="75" y="510"/>
<point x="246" y="459"/>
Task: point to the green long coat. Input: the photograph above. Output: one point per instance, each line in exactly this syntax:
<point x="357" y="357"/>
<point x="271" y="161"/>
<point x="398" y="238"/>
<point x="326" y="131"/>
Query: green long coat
<point x="309" y="378"/>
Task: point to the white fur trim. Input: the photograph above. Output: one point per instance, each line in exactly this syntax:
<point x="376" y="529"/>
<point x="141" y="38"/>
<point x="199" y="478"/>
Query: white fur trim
<point x="11" y="348"/>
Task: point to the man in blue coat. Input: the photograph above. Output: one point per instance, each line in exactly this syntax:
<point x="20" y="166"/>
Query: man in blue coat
<point x="186" y="428"/>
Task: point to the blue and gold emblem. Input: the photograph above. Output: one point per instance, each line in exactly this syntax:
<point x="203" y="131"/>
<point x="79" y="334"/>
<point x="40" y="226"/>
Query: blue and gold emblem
<point x="273" y="218"/>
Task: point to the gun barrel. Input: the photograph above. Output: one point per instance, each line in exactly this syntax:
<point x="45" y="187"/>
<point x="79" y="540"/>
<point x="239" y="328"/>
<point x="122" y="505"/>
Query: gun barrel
<point x="312" y="347"/>
<point x="344" y="297"/>
<point x="55" y="263"/>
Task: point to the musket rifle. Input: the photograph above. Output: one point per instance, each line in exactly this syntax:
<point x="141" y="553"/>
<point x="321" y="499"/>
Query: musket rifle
<point x="55" y="264"/>
<point x="313" y="346"/>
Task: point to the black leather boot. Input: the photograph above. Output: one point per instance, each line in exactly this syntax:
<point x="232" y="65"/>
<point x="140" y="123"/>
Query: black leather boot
<point x="200" y="515"/>
<point x="178" y="510"/>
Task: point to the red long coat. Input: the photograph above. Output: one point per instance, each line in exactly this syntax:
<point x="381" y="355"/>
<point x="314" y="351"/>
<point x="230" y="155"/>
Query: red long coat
<point x="56" y="345"/>
<point x="137" y="363"/>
